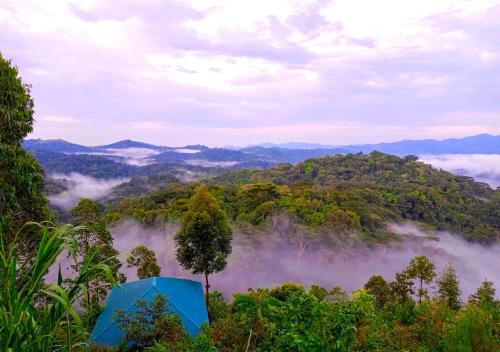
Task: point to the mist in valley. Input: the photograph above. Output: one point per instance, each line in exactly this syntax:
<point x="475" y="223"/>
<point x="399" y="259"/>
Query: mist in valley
<point x="130" y="156"/>
<point x="269" y="258"/>
<point x="483" y="167"/>
<point x="81" y="186"/>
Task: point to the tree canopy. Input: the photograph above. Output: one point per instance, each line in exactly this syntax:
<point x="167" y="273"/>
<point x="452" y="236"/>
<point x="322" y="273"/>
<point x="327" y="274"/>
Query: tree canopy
<point x="21" y="177"/>
<point x="204" y="240"/>
<point x="339" y="197"/>
<point x="144" y="259"/>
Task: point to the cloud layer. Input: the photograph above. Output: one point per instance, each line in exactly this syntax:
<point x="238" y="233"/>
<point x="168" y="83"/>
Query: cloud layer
<point x="82" y="186"/>
<point x="269" y="259"/>
<point x="237" y="72"/>
<point x="483" y="167"/>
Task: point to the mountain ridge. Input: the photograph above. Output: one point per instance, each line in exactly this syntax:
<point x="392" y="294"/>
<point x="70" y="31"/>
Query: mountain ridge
<point x="476" y="144"/>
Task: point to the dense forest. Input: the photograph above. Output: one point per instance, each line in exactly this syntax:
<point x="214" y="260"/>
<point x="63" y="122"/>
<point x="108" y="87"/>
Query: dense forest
<point x="337" y="196"/>
<point x="419" y="310"/>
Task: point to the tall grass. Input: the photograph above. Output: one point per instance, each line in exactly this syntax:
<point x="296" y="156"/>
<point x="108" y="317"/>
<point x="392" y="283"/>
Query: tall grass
<point x="35" y="316"/>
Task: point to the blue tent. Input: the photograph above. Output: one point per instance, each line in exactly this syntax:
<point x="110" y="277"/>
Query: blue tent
<point x="185" y="298"/>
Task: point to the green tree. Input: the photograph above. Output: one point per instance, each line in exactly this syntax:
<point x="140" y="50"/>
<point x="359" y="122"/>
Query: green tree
<point x="401" y="288"/>
<point x="485" y="293"/>
<point x="92" y="233"/>
<point x="204" y="240"/>
<point x="21" y="177"/>
<point x="449" y="288"/>
<point x="318" y="291"/>
<point x="150" y="323"/>
<point x="16" y="105"/>
<point x="218" y="306"/>
<point x="337" y="294"/>
<point x="379" y="288"/>
<point x="250" y="196"/>
<point x="287" y="290"/>
<point x="423" y="270"/>
<point x="145" y="261"/>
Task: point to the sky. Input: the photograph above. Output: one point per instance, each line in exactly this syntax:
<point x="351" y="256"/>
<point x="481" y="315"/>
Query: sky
<point x="234" y="72"/>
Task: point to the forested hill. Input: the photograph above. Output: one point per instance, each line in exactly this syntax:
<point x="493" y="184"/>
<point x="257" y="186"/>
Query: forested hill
<point x="342" y="195"/>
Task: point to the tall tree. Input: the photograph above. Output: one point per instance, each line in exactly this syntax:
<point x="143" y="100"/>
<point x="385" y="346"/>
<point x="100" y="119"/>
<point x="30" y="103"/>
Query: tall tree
<point x="449" y="288"/>
<point x="91" y="235"/>
<point x="422" y="269"/>
<point x="378" y="287"/>
<point x="21" y="177"/>
<point x="144" y="259"/>
<point x="484" y="294"/>
<point x="401" y="288"/>
<point x="204" y="240"/>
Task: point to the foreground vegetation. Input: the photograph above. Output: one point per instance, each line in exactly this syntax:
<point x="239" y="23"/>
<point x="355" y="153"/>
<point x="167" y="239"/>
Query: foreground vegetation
<point x="381" y="316"/>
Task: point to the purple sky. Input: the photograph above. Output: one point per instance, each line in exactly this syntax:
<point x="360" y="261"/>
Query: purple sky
<point x="234" y="72"/>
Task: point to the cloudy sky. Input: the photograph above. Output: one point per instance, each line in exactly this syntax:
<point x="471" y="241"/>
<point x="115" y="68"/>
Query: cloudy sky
<point x="235" y="72"/>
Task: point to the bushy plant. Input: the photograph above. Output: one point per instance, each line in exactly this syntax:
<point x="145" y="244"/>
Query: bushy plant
<point x="150" y="323"/>
<point x="39" y="317"/>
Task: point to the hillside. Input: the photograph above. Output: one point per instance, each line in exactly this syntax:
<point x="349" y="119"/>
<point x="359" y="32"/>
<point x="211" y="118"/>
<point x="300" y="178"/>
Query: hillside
<point x="55" y="145"/>
<point x="127" y="143"/>
<point x="334" y="198"/>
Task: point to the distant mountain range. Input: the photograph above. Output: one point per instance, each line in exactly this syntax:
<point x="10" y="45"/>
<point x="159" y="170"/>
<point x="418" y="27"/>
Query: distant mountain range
<point x="129" y="158"/>
<point x="480" y="144"/>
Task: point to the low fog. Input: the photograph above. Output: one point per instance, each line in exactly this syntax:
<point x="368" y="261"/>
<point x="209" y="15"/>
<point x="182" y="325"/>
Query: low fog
<point x="81" y="186"/>
<point x="269" y="259"/>
<point x="131" y="156"/>
<point x="208" y="163"/>
<point x="483" y="167"/>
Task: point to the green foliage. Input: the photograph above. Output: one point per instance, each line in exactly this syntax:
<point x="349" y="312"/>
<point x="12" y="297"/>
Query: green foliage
<point x="200" y="343"/>
<point x="86" y="212"/>
<point x="286" y="291"/>
<point x="423" y="270"/>
<point x="21" y="178"/>
<point x="204" y="240"/>
<point x="402" y="288"/>
<point x="379" y="288"/>
<point x="150" y="323"/>
<point x="298" y="321"/>
<point x="40" y="317"/>
<point x="485" y="294"/>
<point x="475" y="328"/>
<point x="449" y="288"/>
<point x="91" y="233"/>
<point x="337" y="294"/>
<point x="218" y="306"/>
<point x="318" y="292"/>
<point x="16" y="105"/>
<point x="340" y="198"/>
<point x="145" y="261"/>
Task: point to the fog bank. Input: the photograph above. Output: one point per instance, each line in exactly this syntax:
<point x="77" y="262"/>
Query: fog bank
<point x="483" y="167"/>
<point x="81" y="186"/>
<point x="131" y="155"/>
<point x="269" y="259"/>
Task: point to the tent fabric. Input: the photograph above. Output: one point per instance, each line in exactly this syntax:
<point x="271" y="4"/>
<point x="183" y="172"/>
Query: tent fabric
<point x="185" y="298"/>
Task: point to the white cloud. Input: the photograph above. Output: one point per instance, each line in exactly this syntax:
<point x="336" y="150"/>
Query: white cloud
<point x="58" y="119"/>
<point x="82" y="186"/>
<point x="220" y="72"/>
<point x="483" y="167"/>
<point x="176" y="69"/>
<point x="148" y="125"/>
